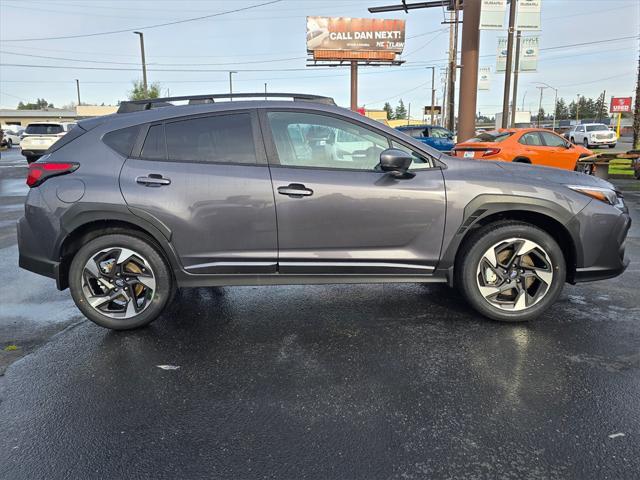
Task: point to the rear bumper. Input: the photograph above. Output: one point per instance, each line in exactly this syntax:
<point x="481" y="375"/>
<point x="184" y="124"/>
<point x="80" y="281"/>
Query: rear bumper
<point x="31" y="259"/>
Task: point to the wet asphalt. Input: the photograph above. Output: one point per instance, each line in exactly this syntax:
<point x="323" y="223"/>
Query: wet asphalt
<point x="320" y="382"/>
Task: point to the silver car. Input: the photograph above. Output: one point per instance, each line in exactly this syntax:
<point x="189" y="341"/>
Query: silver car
<point x="126" y="208"/>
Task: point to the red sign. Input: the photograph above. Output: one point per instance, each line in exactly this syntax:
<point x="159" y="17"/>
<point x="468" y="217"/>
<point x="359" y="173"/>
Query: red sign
<point x="620" y="104"/>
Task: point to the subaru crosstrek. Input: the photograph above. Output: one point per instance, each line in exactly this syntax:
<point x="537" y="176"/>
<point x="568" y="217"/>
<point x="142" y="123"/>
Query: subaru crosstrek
<point x="128" y="207"/>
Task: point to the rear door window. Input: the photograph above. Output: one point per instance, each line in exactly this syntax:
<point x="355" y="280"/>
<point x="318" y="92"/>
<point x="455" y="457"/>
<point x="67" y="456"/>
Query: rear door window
<point x="219" y="139"/>
<point x="154" y="147"/>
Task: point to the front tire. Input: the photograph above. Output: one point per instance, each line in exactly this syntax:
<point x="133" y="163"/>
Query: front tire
<point x="613" y="145"/>
<point x="120" y="281"/>
<point x="511" y="271"/>
<point x="585" y="142"/>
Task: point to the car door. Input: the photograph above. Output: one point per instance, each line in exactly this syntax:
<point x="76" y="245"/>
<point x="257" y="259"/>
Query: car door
<point x="207" y="180"/>
<point x="336" y="212"/>
<point x="558" y="152"/>
<point x="531" y="148"/>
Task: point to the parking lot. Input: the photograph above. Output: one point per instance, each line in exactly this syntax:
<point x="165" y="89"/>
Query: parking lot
<point x="358" y="381"/>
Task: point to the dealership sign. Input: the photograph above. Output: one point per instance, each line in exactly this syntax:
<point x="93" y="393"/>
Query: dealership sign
<point x="341" y="34"/>
<point x="620" y="104"/>
<point x="528" y="17"/>
<point x="529" y="50"/>
<point x="492" y="14"/>
<point x="484" y="78"/>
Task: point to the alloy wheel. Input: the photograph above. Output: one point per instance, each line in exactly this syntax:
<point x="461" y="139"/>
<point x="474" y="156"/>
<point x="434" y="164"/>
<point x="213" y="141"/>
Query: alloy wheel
<point x="514" y="274"/>
<point x="118" y="282"/>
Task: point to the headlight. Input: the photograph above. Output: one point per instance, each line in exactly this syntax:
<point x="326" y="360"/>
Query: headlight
<point x="606" y="195"/>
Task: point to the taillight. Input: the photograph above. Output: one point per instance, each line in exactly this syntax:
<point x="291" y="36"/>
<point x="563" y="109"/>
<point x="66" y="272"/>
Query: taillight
<point x="491" y="151"/>
<point x="39" y="172"/>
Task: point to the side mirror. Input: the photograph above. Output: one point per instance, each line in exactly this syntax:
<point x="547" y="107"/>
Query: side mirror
<point x="396" y="163"/>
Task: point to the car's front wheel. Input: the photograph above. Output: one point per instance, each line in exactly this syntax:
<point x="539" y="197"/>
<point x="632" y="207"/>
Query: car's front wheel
<point x="120" y="281"/>
<point x="511" y="271"/>
<point x="585" y="142"/>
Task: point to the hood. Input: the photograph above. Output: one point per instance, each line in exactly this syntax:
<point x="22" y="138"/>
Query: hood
<point x="538" y="174"/>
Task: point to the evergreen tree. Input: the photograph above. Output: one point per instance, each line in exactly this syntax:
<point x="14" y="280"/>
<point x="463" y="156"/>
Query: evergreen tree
<point x="387" y="108"/>
<point x="401" y="111"/>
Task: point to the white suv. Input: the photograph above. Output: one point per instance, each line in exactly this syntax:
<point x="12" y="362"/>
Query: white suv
<point x="38" y="137"/>
<point x="592" y="135"/>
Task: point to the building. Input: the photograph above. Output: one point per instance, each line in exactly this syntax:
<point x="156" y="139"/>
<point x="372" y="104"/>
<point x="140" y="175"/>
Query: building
<point x="24" y="117"/>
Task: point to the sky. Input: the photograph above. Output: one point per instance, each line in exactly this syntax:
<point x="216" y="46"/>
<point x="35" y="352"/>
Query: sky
<point x="266" y="44"/>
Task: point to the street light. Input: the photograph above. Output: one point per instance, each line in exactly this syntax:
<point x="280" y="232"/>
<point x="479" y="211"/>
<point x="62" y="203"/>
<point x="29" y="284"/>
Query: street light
<point x="231" y="84"/>
<point x="144" y="64"/>
<point x="555" y="105"/>
<point x="577" y="106"/>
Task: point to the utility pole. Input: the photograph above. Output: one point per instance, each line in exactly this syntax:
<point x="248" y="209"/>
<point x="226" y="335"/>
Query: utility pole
<point x="453" y="59"/>
<point x="265" y="90"/>
<point x="540" y="104"/>
<point x="516" y="71"/>
<point x="469" y="76"/>
<point x="78" y="90"/>
<point x="144" y="63"/>
<point x="433" y="91"/>
<point x="577" y="107"/>
<point x="231" y="85"/>
<point x="445" y="108"/>
<point x="354" y="86"/>
<point x="636" y="113"/>
<point x="507" y="70"/>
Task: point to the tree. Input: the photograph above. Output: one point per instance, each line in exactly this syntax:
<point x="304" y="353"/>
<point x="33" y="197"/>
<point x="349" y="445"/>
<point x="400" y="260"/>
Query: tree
<point x="40" y="104"/>
<point x="562" y="110"/>
<point x="401" y="111"/>
<point x="387" y="108"/>
<point x="138" y="92"/>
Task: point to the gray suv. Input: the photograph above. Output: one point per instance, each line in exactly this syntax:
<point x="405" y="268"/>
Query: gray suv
<point x="126" y="208"/>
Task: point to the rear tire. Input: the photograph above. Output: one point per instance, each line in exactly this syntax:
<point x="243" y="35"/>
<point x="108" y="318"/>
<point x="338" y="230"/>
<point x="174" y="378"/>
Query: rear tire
<point x="517" y="291"/>
<point x="120" y="281"/>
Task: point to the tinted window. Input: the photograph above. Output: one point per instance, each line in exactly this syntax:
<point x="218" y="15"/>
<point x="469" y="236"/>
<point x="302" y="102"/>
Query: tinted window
<point x="154" y="147"/>
<point x="551" y="140"/>
<point x="223" y="138"/>
<point x="121" y="141"/>
<point x="43" y="129"/>
<point x="311" y="140"/>
<point x="492" y="136"/>
<point x="531" y="139"/>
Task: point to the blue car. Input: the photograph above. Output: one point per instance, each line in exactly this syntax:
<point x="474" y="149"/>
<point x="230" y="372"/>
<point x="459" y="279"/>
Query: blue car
<point x="436" y="137"/>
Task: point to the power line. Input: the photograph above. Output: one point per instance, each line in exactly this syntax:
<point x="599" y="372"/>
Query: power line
<point x="175" y="22"/>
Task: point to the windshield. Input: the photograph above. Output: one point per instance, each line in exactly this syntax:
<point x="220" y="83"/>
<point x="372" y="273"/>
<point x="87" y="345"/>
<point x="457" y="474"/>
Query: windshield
<point x="492" y="136"/>
<point x="596" y="128"/>
<point x="43" y="129"/>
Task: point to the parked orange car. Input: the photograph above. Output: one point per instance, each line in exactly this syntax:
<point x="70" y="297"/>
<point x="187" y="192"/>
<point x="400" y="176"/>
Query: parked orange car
<point x="527" y="145"/>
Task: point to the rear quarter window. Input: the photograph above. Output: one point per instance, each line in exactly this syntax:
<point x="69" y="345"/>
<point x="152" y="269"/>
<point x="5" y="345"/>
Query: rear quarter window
<point x="122" y="141"/>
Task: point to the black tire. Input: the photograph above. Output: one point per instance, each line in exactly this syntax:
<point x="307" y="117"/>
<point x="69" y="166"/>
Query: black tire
<point x="585" y="143"/>
<point x="162" y="294"/>
<point x="481" y="241"/>
<point x="521" y="160"/>
<point x="9" y="143"/>
<point x="613" y="145"/>
<point x="572" y="140"/>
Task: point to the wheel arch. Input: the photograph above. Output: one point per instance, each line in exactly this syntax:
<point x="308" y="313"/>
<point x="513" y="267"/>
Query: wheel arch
<point x="86" y="223"/>
<point x="538" y="212"/>
<point x="522" y="160"/>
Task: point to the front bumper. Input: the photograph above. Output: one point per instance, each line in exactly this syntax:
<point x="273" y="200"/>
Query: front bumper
<point x="603" y="250"/>
<point x="599" y="141"/>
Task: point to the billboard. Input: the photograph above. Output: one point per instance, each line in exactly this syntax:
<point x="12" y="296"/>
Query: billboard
<point x="501" y="62"/>
<point x="529" y="50"/>
<point x="620" y="104"/>
<point x="492" y="14"/>
<point x="343" y="34"/>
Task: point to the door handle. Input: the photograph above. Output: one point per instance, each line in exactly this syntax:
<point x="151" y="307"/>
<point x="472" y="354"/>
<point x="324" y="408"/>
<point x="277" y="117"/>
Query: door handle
<point x="153" y="180"/>
<point x="295" y="190"/>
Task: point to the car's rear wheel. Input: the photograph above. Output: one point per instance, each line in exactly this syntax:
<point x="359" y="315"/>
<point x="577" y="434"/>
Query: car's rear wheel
<point x="120" y="281"/>
<point x="572" y="140"/>
<point x="511" y="271"/>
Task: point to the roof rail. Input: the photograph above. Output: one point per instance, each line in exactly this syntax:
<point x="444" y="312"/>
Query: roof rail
<point x="149" y="103"/>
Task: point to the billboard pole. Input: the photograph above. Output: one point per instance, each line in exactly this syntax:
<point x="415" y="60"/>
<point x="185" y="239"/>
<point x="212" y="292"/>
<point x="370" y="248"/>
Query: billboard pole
<point x="354" y="85"/>
<point x="507" y="70"/>
<point x="469" y="75"/>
